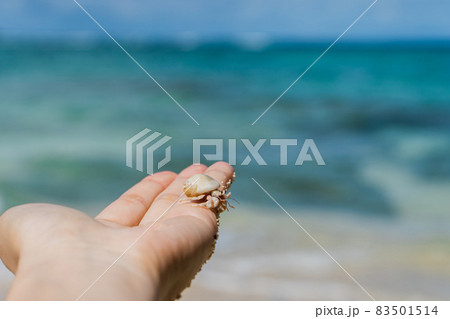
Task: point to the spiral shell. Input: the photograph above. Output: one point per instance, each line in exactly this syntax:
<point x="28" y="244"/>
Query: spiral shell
<point x="200" y="184"/>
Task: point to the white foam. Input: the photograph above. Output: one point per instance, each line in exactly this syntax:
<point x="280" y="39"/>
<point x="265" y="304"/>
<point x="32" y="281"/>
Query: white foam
<point x="6" y="278"/>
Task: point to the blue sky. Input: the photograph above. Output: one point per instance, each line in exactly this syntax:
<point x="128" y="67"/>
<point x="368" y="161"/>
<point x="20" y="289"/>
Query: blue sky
<point x="212" y="19"/>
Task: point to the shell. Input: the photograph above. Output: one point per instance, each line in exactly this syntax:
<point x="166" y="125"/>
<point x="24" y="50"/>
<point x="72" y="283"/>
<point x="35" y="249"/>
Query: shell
<point x="199" y="184"/>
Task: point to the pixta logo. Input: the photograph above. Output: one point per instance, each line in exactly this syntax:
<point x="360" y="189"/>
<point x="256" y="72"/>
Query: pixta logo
<point x="144" y="145"/>
<point x="308" y="152"/>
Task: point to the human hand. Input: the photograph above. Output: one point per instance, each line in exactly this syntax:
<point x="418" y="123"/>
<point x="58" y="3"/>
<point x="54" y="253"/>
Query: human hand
<point x="146" y="245"/>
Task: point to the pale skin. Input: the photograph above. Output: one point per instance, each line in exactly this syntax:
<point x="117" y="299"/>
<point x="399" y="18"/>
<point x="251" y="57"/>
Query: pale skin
<point x="57" y="252"/>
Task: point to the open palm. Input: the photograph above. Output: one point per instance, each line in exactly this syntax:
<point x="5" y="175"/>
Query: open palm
<point x="146" y="245"/>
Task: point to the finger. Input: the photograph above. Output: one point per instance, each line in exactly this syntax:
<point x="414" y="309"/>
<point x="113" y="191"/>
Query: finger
<point x="221" y="172"/>
<point x="129" y="209"/>
<point x="172" y="194"/>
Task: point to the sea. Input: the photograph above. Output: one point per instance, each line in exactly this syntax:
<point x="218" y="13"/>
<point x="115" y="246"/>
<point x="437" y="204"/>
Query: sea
<point x="379" y="114"/>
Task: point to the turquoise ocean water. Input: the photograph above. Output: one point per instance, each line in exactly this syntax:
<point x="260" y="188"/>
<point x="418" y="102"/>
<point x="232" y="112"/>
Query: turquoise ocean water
<point x="380" y="116"/>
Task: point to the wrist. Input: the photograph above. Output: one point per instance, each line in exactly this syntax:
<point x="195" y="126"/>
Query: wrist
<point x="72" y="278"/>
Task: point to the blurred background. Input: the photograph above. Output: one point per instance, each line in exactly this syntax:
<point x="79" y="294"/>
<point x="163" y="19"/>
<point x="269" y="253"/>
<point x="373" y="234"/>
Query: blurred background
<point x="377" y="106"/>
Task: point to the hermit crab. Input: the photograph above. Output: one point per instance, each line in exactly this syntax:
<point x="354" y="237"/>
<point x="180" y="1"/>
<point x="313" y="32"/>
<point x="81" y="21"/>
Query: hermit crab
<point x="208" y="192"/>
